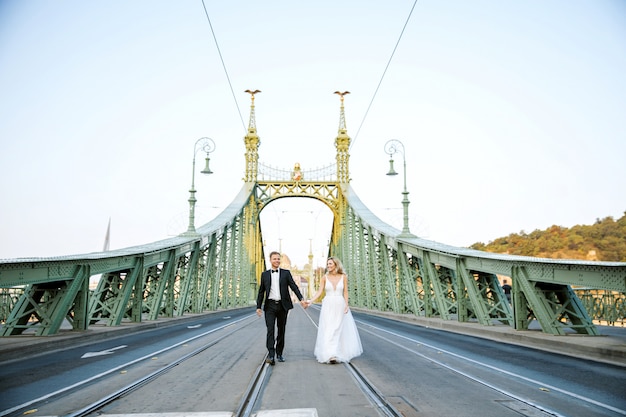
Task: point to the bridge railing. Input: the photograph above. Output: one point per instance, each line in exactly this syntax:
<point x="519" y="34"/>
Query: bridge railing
<point x="326" y="173"/>
<point x="605" y="307"/>
<point x="422" y="277"/>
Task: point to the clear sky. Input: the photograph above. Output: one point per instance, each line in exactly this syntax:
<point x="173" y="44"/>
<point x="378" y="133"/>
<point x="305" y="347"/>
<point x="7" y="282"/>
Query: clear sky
<point x="512" y="114"/>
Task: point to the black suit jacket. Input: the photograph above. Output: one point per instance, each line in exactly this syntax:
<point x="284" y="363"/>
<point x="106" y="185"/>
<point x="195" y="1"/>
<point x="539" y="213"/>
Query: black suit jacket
<point x="285" y="282"/>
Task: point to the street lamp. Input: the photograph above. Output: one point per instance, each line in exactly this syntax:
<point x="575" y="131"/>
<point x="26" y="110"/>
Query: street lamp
<point x="208" y="146"/>
<point x="391" y="147"/>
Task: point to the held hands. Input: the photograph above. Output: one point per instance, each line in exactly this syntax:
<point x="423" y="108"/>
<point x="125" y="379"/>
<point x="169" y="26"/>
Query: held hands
<point x="305" y="303"/>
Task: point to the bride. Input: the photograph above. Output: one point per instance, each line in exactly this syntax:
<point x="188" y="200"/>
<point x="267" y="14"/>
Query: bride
<point x="337" y="335"/>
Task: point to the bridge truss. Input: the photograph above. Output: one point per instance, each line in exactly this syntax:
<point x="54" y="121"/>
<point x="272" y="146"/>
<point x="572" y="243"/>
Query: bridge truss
<point x="218" y="267"/>
<point x="426" y="278"/>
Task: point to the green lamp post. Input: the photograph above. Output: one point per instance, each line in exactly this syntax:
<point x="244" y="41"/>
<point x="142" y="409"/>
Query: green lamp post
<point x="392" y="147"/>
<point x="207" y="145"/>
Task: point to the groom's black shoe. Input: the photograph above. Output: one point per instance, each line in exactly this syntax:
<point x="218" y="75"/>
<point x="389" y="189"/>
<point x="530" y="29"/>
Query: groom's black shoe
<point x="271" y="361"/>
<point x="280" y="358"/>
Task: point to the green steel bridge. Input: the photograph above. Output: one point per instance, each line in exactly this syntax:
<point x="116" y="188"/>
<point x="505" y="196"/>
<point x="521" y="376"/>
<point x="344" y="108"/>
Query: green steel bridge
<point x="217" y="267"/>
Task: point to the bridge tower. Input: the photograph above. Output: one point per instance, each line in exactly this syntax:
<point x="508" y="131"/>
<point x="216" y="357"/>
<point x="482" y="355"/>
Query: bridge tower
<point x="342" y="143"/>
<point x="252" y="143"/>
<point x="264" y="183"/>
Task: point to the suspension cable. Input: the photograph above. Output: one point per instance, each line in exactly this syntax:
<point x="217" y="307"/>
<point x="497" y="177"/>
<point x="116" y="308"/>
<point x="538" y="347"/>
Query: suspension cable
<point x="224" y="65"/>
<point x="383" y="76"/>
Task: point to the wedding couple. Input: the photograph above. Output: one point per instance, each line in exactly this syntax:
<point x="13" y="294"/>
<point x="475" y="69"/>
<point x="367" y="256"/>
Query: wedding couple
<point x="337" y="335"/>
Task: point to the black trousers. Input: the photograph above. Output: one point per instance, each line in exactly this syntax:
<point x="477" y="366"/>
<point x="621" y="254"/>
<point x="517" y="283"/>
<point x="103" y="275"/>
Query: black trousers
<point x="275" y="314"/>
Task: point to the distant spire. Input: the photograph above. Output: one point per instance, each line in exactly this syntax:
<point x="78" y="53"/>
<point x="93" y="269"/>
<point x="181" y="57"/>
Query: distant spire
<point x="107" y="238"/>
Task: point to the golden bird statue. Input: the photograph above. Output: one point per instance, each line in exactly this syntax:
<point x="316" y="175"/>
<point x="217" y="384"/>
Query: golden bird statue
<point x="252" y="93"/>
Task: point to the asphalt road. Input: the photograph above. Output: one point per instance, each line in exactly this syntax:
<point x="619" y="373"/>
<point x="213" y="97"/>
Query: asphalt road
<point x="423" y="371"/>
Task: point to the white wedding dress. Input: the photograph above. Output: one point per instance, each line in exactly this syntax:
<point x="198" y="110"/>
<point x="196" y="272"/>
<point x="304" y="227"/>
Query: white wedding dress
<point x="337" y="334"/>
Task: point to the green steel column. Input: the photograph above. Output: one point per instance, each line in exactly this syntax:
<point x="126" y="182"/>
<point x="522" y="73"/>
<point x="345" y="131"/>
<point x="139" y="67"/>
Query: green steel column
<point x="187" y="280"/>
<point x="81" y="302"/>
<point x="478" y="303"/>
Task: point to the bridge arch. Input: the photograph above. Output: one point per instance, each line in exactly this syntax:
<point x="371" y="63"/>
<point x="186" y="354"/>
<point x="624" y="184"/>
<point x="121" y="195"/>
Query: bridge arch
<point x="300" y="227"/>
<point x="327" y="193"/>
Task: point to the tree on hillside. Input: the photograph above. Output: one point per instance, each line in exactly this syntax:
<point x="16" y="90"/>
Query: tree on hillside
<point x="605" y="240"/>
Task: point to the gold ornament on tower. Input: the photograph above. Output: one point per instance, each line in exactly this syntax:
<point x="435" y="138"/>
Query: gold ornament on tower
<point x="297" y="172"/>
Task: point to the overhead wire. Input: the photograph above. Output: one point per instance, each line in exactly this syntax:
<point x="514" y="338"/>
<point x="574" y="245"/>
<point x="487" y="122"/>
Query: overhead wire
<point x="224" y="66"/>
<point x="373" y="95"/>
<point x="383" y="75"/>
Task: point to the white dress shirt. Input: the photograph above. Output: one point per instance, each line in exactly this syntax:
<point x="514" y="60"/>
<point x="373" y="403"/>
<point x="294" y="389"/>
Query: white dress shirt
<point x="275" y="285"/>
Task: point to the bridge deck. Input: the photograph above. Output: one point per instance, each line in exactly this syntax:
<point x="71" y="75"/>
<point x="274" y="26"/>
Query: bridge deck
<point x="300" y="362"/>
<point x="610" y="347"/>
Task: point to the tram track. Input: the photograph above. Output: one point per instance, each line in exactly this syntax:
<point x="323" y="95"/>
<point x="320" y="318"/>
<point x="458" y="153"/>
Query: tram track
<point x="259" y="381"/>
<point x="250" y="399"/>
<point x="252" y="395"/>
<point x="245" y="408"/>
<point x="383" y="406"/>
<point x="252" y="392"/>
<point x="419" y="355"/>
<point x="478" y="371"/>
<point x="374" y="395"/>
<point x="541" y="411"/>
<point x="32" y="406"/>
<point x="97" y="405"/>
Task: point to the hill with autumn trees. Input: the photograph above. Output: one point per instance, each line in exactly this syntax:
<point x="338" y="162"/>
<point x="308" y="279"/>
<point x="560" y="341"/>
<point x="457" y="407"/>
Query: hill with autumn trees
<point x="605" y="240"/>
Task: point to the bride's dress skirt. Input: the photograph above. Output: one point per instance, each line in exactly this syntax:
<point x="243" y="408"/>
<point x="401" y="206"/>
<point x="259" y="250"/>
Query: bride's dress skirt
<point x="337" y="335"/>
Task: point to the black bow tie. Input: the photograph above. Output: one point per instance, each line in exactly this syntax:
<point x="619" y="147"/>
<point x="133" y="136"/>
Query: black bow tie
<point x="274" y="270"/>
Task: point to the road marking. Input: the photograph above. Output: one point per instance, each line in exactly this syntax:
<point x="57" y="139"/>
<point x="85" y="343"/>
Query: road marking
<point x="545" y="386"/>
<point x="102" y="352"/>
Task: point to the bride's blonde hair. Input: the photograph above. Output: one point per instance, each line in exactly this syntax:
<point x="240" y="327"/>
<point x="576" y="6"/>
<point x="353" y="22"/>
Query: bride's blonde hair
<point x="337" y="263"/>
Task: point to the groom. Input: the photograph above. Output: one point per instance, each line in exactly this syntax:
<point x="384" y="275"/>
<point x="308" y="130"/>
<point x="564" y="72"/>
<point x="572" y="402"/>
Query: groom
<point x="274" y="287"/>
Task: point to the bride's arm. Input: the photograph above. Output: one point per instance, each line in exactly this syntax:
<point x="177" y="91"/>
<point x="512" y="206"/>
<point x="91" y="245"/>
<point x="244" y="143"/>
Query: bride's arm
<point x="319" y="291"/>
<point x="345" y="291"/>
